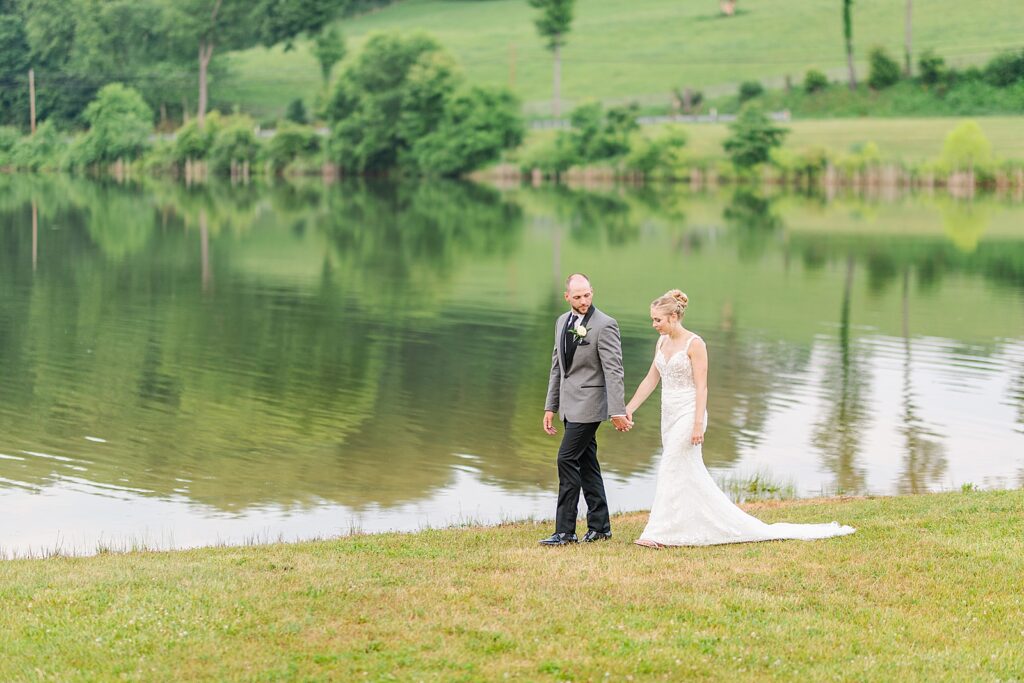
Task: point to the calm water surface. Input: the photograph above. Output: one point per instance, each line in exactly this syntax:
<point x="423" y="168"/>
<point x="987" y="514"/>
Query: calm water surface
<point x="194" y="366"/>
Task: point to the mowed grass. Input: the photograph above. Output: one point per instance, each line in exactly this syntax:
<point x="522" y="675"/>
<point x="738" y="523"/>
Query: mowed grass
<point x="639" y="49"/>
<point x="929" y="588"/>
<point x="909" y="140"/>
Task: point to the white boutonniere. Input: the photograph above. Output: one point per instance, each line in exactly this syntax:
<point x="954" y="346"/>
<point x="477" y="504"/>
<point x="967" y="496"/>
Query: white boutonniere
<point x="579" y="333"/>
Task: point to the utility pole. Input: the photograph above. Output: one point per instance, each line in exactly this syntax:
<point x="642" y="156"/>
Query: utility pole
<point x="32" y="99"/>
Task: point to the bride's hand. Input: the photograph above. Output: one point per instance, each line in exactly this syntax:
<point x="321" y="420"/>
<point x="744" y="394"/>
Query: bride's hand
<point x="698" y="436"/>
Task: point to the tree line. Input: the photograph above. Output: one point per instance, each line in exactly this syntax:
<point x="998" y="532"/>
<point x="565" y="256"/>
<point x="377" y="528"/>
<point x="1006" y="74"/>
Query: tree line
<point x="165" y="49"/>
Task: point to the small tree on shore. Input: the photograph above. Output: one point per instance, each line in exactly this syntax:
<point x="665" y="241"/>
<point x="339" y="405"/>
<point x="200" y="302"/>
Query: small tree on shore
<point x="966" y="148"/>
<point x="848" y="39"/>
<point x="553" y="25"/>
<point x="120" y="122"/>
<point x="329" y="49"/>
<point x="753" y="138"/>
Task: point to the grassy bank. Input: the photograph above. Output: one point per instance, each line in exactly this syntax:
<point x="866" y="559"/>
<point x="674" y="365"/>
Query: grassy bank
<point x="928" y="588"/>
<point x="908" y="140"/>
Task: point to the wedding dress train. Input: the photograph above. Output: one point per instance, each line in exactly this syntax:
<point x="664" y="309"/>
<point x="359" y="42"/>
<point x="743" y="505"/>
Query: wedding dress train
<point x="689" y="508"/>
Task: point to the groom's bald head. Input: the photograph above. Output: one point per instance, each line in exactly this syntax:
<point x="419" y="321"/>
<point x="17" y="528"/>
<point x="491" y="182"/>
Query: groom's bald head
<point x="579" y="293"/>
<point x="579" y="279"/>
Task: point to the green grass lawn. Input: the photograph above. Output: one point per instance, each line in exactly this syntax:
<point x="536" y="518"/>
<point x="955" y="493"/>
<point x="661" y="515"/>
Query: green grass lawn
<point x="909" y="140"/>
<point x="639" y="49"/>
<point x="929" y="588"/>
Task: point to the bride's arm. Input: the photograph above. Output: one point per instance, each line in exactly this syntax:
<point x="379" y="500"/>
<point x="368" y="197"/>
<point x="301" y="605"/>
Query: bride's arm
<point x="643" y="391"/>
<point x="699" y="360"/>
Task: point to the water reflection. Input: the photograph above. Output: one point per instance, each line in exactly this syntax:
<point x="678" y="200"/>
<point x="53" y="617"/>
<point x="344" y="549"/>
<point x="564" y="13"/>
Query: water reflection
<point x="292" y="353"/>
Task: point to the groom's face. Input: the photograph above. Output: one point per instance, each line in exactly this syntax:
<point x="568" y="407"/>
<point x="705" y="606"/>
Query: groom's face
<point x="579" y="295"/>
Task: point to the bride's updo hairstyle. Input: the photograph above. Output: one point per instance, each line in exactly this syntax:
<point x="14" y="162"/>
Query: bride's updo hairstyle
<point x="672" y="301"/>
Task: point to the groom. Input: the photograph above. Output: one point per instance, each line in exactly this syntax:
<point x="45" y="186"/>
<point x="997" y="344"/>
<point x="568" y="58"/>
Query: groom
<point x="585" y="388"/>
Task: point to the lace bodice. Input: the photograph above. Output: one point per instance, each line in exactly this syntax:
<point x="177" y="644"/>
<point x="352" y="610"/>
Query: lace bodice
<point x="676" y="371"/>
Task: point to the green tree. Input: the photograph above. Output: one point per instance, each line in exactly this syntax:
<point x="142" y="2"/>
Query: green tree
<point x="966" y="147"/>
<point x="399" y="104"/>
<point x="77" y="46"/>
<point x="14" y="64"/>
<point x="597" y="135"/>
<point x="752" y="139"/>
<point x="199" y="27"/>
<point x="848" y="38"/>
<point x="477" y="125"/>
<point x="884" y="71"/>
<point x="329" y="49"/>
<point x="120" y="123"/>
<point x="392" y="94"/>
<point x="908" y="37"/>
<point x="553" y="25"/>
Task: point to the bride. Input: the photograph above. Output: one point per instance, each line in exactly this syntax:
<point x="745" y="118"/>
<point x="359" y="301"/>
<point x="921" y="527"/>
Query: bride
<point x="689" y="508"/>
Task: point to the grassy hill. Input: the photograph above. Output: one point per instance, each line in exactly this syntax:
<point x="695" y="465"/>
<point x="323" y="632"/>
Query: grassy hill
<point x="639" y="49"/>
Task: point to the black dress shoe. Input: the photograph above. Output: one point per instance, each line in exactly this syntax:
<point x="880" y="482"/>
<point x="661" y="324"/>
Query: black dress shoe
<point x="592" y="536"/>
<point x="559" y="539"/>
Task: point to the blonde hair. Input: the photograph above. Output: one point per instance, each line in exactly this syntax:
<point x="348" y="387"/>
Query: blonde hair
<point x="672" y="301"/>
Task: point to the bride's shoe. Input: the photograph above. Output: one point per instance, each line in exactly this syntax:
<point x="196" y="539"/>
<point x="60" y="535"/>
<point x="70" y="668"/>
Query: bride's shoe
<point x="648" y="544"/>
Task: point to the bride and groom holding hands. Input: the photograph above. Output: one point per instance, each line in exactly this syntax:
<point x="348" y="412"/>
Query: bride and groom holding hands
<point x="586" y="387"/>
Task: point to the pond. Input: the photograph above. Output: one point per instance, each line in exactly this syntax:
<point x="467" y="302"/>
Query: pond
<point x="193" y="366"/>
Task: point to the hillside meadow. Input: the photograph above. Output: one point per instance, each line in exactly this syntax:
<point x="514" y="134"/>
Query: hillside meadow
<point x="638" y="50"/>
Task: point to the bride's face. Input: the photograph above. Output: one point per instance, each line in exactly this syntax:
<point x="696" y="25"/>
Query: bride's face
<point x="663" y="322"/>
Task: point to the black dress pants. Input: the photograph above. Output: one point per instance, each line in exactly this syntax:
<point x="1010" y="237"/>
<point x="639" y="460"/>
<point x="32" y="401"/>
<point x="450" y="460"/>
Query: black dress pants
<point x="578" y="468"/>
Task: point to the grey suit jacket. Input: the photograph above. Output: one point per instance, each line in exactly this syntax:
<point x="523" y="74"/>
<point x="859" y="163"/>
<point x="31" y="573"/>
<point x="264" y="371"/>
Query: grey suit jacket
<point x="593" y="389"/>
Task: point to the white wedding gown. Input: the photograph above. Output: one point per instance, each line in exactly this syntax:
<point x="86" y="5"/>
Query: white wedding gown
<point x="689" y="508"/>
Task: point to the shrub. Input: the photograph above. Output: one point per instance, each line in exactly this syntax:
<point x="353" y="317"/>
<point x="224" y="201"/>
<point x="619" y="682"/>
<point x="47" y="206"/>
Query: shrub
<point x="296" y="112"/>
<point x="749" y="90"/>
<point x="9" y="138"/>
<point x="932" y="68"/>
<point x="41" y="151"/>
<point x="291" y="141"/>
<point x="597" y="135"/>
<point x="660" y="157"/>
<point x="235" y="142"/>
<point x="1005" y="69"/>
<point x="551" y="157"/>
<point x="884" y="71"/>
<point x="195" y="142"/>
<point x="815" y="81"/>
<point x="967" y="147"/>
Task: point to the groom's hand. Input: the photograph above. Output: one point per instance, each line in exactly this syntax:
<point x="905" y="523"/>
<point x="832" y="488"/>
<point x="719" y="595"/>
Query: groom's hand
<point x="622" y="423"/>
<point x="549" y="420"/>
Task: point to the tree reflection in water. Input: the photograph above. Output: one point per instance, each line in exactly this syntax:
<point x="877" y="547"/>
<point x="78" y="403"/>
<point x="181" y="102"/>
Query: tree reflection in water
<point x="362" y="343"/>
